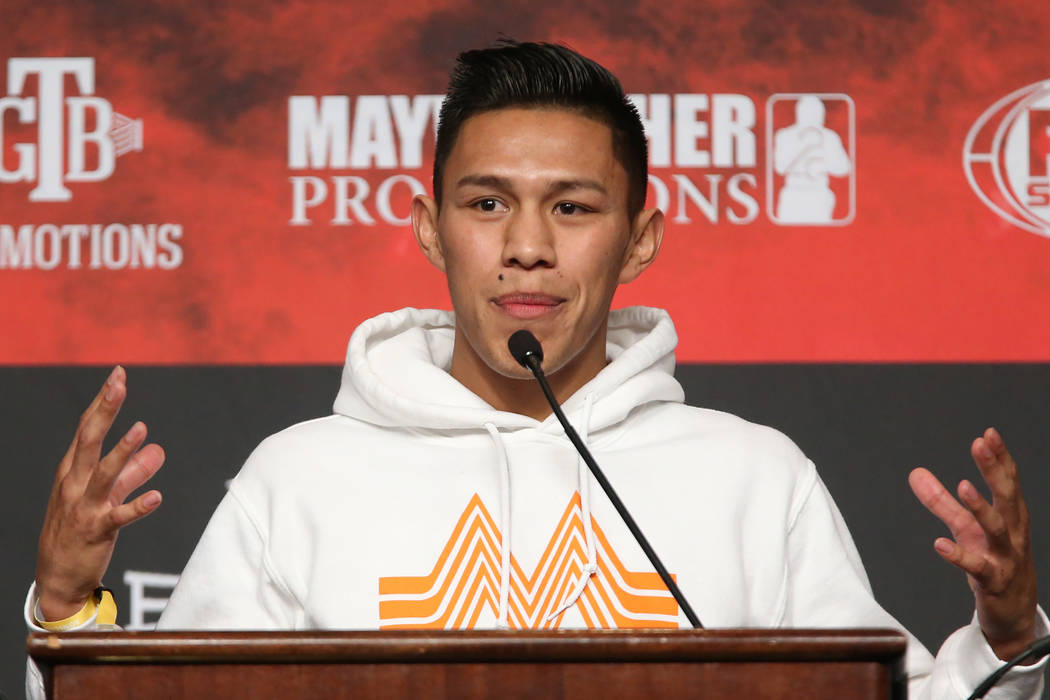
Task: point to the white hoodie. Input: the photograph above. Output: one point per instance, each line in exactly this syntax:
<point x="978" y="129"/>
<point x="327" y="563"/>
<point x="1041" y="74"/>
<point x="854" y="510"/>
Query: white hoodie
<point x="419" y="505"/>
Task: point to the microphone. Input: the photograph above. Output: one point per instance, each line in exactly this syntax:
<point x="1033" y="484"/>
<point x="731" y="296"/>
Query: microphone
<point x="528" y="352"/>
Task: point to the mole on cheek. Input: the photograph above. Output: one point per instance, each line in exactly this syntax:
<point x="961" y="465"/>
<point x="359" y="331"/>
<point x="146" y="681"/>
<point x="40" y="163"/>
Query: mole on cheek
<point x="501" y="278"/>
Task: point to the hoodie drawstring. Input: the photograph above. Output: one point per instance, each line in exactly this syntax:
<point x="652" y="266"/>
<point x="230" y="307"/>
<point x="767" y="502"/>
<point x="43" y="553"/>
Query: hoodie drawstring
<point x="583" y="477"/>
<point x="504" y="539"/>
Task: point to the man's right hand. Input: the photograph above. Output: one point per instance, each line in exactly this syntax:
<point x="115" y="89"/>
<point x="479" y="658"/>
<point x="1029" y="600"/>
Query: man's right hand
<point x="86" y="509"/>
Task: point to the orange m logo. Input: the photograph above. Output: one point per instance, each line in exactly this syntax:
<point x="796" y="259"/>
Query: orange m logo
<point x="465" y="581"/>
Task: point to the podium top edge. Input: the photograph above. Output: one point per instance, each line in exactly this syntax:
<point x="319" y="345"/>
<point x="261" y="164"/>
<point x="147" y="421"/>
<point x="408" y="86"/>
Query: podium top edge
<point x="438" y="646"/>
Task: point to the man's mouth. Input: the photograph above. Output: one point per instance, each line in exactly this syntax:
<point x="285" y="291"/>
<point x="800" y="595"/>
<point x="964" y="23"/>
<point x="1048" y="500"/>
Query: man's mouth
<point x="526" y="305"/>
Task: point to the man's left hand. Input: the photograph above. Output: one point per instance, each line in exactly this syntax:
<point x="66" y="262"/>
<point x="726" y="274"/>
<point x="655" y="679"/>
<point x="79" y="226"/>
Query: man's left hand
<point x="992" y="543"/>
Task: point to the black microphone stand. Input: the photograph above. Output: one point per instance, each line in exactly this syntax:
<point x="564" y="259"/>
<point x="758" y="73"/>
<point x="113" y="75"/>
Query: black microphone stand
<point x="528" y="352"/>
<point x="1034" y="651"/>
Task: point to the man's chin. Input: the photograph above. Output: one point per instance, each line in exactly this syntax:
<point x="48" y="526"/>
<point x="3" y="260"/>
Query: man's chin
<point x="509" y="369"/>
<point x="552" y="363"/>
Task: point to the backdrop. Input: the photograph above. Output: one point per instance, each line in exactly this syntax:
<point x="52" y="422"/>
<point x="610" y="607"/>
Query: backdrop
<point x="857" y="253"/>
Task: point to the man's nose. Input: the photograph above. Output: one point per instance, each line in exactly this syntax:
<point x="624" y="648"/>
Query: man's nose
<point x="529" y="240"/>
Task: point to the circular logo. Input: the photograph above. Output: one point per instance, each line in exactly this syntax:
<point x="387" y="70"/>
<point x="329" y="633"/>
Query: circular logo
<point x="1006" y="158"/>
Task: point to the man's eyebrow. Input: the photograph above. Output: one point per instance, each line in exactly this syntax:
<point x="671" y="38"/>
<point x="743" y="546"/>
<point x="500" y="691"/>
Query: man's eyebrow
<point x="576" y="184"/>
<point x="555" y="187"/>
<point x="484" y="181"/>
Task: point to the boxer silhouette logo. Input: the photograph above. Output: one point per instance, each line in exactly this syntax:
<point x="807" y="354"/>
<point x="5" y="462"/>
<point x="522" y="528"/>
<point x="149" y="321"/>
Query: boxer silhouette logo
<point x="810" y="174"/>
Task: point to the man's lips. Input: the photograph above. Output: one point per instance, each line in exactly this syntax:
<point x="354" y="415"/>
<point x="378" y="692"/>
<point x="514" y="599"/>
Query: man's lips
<point x="527" y="305"/>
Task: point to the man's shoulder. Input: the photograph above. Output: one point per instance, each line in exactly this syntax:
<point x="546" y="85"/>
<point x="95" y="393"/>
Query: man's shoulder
<point x="307" y="432"/>
<point x="306" y="445"/>
<point x="703" y="421"/>
<point x="713" y="432"/>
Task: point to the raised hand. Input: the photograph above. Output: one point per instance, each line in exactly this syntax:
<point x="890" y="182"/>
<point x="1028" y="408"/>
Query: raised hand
<point x="86" y="509"/>
<point x="992" y="543"/>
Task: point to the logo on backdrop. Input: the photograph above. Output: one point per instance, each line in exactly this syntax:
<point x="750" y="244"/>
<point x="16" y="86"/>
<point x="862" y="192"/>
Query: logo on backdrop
<point x="322" y="136"/>
<point x="810" y="179"/>
<point x="78" y="139"/>
<point x="148" y="595"/>
<point x="1006" y="158"/>
<point x="55" y="113"/>
<point x="703" y="153"/>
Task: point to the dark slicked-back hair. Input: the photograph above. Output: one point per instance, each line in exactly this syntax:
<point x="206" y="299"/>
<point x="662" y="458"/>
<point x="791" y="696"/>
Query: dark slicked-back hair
<point x="533" y="75"/>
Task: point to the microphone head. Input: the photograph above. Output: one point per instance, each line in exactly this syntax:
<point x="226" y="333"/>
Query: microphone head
<point x="523" y="345"/>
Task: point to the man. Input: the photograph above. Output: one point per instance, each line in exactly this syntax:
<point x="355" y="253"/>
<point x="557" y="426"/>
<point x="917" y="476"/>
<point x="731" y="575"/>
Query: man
<point x="442" y="493"/>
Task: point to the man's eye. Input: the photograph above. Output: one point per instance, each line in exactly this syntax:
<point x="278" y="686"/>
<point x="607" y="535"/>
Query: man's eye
<point x="569" y="208"/>
<point x="488" y="204"/>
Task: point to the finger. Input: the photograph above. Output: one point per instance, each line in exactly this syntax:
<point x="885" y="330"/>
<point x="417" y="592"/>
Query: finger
<point x="97" y="424"/>
<point x="998" y="469"/>
<point x="67" y="459"/>
<point x="1019" y="521"/>
<point x="138" y="470"/>
<point x="998" y="446"/>
<point x="932" y="494"/>
<point x="139" y="508"/>
<point x="109" y="468"/>
<point x="990" y="519"/>
<point x="995" y="440"/>
<point x="972" y="563"/>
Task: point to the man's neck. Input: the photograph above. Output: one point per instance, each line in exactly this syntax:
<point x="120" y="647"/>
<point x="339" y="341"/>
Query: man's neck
<point x="524" y="396"/>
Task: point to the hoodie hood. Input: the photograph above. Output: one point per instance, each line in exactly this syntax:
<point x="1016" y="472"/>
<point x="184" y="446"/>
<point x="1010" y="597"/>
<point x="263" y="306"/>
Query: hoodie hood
<point x="397" y="374"/>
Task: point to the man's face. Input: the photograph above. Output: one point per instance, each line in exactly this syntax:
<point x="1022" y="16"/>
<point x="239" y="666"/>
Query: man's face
<point x="533" y="232"/>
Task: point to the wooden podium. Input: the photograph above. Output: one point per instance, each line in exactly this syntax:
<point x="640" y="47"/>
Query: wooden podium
<point x="739" y="663"/>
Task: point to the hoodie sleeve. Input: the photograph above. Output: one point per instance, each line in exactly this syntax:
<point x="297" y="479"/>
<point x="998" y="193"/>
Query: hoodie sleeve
<point x="34" y="679"/>
<point x="828" y="587"/>
<point x="230" y="582"/>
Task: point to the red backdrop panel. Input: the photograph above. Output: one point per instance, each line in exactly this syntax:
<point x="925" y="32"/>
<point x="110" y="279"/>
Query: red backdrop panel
<point x="908" y="263"/>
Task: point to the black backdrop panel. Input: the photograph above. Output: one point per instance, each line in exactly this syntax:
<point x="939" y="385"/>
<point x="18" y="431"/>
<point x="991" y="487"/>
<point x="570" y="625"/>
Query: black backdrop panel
<point x="865" y="426"/>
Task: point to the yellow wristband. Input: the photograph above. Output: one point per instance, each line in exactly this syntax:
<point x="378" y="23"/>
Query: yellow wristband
<point x="107" y="607"/>
<point x="101" y="600"/>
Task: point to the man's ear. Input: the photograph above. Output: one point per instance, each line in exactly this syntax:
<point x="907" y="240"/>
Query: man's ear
<point x="646" y="236"/>
<point x="424" y="226"/>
